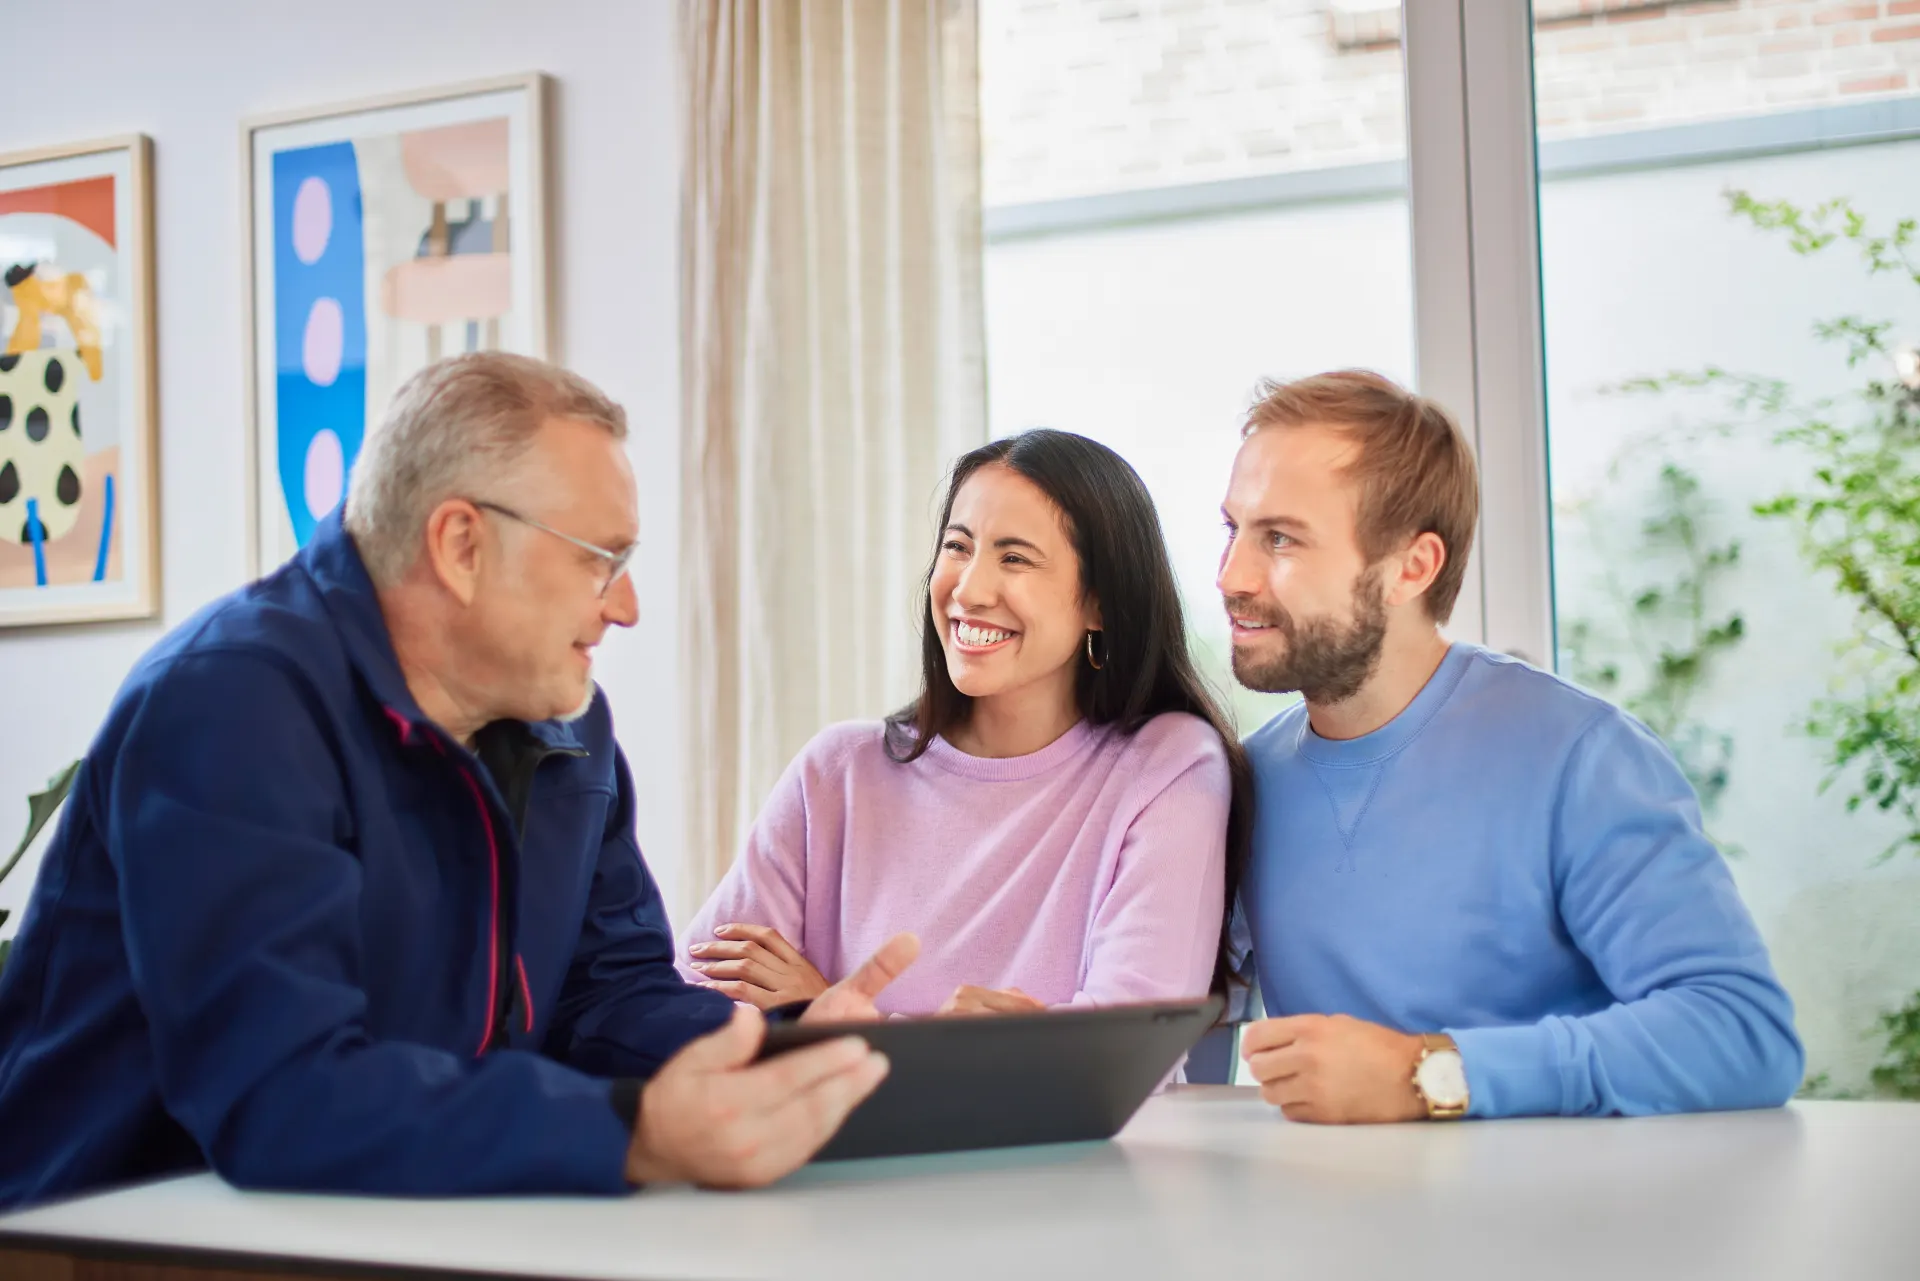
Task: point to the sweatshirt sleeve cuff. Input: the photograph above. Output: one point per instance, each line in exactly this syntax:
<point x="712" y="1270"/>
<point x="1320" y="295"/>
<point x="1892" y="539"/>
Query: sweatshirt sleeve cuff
<point x="788" y="1013"/>
<point x="624" y="1098"/>
<point x="1511" y="1071"/>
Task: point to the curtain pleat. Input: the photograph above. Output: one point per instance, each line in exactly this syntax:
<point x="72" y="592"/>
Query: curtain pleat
<point x="832" y="365"/>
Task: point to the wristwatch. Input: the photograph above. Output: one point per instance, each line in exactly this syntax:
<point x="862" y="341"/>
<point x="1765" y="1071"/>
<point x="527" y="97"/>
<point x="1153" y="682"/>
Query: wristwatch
<point x="1440" y="1078"/>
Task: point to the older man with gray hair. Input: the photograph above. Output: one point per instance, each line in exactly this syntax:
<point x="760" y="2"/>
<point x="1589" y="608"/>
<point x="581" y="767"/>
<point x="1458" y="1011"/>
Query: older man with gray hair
<point x="347" y="896"/>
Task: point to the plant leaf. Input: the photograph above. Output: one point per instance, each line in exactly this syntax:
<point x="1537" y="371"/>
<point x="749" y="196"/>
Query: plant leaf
<point x="41" y="807"/>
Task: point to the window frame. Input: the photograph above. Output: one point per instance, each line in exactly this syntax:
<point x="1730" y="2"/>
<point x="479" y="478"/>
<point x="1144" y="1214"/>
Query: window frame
<point x="1478" y="339"/>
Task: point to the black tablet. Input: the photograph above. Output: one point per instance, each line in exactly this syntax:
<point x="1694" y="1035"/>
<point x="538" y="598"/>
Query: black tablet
<point x="1003" y="1080"/>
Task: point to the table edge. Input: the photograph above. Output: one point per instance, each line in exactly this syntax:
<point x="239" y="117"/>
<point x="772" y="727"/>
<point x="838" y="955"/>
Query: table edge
<point x="97" y="1249"/>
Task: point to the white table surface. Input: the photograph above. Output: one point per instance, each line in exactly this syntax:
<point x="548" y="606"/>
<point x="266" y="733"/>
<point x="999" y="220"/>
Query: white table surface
<point x="1205" y="1182"/>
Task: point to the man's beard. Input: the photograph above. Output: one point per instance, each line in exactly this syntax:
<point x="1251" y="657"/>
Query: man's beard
<point x="586" y="704"/>
<point x="1324" y="661"/>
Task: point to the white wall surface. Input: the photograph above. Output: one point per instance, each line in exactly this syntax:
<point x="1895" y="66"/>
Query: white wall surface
<point x="185" y="74"/>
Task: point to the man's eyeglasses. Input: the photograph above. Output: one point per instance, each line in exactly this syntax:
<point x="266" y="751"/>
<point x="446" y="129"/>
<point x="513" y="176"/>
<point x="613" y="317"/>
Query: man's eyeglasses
<point x="615" y="562"/>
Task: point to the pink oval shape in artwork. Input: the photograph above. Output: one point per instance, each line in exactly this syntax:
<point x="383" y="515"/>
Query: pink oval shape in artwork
<point x="325" y="340"/>
<point x="312" y="220"/>
<point x="326" y="473"/>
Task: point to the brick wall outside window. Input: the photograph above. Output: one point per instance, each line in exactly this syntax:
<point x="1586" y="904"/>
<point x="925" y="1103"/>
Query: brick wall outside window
<point x="1083" y="96"/>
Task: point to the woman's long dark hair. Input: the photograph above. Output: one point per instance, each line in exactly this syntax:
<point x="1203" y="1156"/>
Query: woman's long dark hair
<point x="1148" y="668"/>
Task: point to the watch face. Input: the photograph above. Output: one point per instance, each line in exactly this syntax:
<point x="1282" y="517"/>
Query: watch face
<point x="1443" y="1079"/>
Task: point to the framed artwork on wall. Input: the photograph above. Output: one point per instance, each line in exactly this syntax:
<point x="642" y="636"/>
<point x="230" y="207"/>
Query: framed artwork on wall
<point x="381" y="236"/>
<point x="79" y="534"/>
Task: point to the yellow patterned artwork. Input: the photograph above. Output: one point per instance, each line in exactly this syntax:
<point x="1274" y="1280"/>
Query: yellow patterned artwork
<point x="77" y="528"/>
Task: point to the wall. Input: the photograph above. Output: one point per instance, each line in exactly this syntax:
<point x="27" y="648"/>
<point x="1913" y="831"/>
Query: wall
<point x="185" y="74"/>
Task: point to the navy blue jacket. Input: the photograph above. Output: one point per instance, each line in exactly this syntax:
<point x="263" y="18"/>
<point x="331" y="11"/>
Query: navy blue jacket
<point x="291" y="930"/>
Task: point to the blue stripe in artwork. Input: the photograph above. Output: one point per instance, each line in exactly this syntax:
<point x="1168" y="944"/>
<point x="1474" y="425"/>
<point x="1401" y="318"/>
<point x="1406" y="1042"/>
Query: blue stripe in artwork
<point x="306" y="408"/>
<point x="38" y="535"/>
<point x="106" y="534"/>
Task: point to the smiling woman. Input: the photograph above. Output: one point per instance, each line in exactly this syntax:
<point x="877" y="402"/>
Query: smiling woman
<point x="1007" y="605"/>
<point x="1060" y="815"/>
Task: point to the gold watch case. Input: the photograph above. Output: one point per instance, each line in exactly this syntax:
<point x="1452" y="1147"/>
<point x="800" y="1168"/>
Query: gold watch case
<point x="1443" y="1108"/>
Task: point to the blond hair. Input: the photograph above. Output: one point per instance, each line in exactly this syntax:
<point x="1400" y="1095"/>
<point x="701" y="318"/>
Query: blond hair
<point x="1414" y="470"/>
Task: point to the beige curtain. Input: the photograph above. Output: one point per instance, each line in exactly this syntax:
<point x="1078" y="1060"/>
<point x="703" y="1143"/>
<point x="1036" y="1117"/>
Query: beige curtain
<point x="832" y="367"/>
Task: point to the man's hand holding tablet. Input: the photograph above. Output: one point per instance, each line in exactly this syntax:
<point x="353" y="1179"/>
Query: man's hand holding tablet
<point x="714" y="1116"/>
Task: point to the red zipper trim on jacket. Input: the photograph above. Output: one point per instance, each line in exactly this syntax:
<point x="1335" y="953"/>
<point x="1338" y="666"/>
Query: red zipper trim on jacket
<point x="493" y="934"/>
<point x="525" y="991"/>
<point x="405" y="727"/>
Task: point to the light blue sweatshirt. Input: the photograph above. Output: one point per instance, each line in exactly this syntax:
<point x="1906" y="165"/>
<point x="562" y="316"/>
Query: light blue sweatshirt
<point x="1520" y="864"/>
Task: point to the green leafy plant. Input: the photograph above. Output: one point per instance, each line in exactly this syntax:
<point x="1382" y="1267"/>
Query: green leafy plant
<point x="1668" y="634"/>
<point x="1898" y="1075"/>
<point x="1857" y="514"/>
<point x="1857" y="517"/>
<point x="41" y="807"/>
<point x="1820" y="1086"/>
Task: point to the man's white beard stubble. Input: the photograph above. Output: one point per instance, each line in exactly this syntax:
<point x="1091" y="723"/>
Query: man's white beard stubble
<point x="586" y="704"/>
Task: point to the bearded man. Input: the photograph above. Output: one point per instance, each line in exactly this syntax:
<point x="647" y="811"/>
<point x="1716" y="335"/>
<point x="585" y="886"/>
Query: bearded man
<point x="1476" y="890"/>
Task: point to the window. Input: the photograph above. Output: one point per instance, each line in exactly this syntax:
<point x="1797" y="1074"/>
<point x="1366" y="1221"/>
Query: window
<point x="1678" y="143"/>
<point x="1189" y="195"/>
<point x="1182" y="199"/>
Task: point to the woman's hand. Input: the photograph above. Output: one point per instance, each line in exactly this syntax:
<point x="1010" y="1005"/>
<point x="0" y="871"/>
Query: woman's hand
<point x="851" y="1000"/>
<point x="986" y="1000"/>
<point x="753" y="963"/>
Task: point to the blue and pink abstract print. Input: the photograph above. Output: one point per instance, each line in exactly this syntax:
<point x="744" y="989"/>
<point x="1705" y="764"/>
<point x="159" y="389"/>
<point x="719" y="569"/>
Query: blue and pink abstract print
<point x="320" y="323"/>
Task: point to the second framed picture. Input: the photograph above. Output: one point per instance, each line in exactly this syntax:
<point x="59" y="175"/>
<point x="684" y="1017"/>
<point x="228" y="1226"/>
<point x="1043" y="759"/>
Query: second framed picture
<point x="382" y="236"/>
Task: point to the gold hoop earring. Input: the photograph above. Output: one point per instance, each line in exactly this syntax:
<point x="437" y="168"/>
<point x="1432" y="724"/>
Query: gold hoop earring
<point x="1093" y="662"/>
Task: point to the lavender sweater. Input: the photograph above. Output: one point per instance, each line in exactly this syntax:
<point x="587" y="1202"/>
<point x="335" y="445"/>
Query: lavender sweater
<point x="1087" y="873"/>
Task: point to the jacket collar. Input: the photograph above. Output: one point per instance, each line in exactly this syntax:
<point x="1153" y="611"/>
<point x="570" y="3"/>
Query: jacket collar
<point x="346" y="589"/>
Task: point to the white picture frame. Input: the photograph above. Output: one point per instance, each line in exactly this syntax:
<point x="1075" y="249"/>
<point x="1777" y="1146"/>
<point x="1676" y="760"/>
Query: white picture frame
<point x="381" y="234"/>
